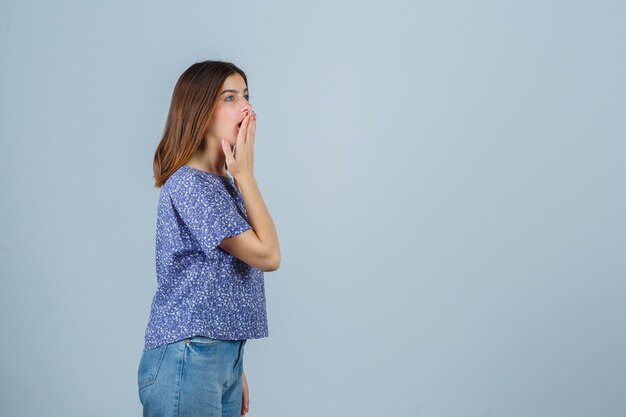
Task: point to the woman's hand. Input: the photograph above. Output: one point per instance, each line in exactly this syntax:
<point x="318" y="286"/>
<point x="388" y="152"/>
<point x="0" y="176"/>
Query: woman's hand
<point x="240" y="163"/>
<point x="244" y="391"/>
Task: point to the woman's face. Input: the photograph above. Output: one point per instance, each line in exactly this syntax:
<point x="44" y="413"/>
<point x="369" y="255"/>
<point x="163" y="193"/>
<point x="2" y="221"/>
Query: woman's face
<point x="232" y="106"/>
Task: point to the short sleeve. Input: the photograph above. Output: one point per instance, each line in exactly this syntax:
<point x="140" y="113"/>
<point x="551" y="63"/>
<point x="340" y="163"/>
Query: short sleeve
<point x="208" y="210"/>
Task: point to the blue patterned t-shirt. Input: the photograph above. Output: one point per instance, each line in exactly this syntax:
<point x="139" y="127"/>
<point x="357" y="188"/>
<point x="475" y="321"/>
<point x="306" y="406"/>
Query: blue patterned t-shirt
<point x="203" y="290"/>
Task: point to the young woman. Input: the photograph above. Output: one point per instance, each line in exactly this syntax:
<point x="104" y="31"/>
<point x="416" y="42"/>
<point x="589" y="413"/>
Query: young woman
<point x="214" y="240"/>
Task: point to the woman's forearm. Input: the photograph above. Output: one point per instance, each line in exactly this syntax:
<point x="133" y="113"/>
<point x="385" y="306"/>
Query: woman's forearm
<point x="259" y="216"/>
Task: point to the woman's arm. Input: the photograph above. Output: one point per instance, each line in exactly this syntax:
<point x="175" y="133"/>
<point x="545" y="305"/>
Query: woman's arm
<point x="260" y="219"/>
<point x="259" y="246"/>
<point x="245" y="396"/>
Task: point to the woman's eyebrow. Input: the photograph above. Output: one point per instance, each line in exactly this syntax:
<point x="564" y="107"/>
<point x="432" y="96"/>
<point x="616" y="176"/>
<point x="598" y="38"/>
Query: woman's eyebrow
<point x="233" y="91"/>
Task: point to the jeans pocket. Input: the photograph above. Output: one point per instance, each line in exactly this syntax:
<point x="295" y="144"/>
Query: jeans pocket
<point x="149" y="365"/>
<point x="203" y="341"/>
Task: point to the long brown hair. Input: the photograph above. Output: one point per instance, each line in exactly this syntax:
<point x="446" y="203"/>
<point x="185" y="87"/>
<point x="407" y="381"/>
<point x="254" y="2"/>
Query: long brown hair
<point x="193" y="101"/>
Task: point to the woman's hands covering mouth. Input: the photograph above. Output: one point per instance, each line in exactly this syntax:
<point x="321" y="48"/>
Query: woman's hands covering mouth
<point x="240" y="160"/>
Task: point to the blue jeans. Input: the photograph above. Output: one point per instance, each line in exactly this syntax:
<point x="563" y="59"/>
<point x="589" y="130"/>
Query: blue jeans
<point x="195" y="377"/>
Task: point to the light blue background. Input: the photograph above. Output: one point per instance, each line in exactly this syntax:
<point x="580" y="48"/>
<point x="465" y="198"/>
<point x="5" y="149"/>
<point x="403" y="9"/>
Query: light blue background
<point x="446" y="178"/>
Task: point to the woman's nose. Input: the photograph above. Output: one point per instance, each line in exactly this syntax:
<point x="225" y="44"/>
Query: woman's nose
<point x="246" y="109"/>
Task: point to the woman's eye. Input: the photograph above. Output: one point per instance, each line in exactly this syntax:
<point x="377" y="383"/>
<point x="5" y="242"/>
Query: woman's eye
<point x="247" y="97"/>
